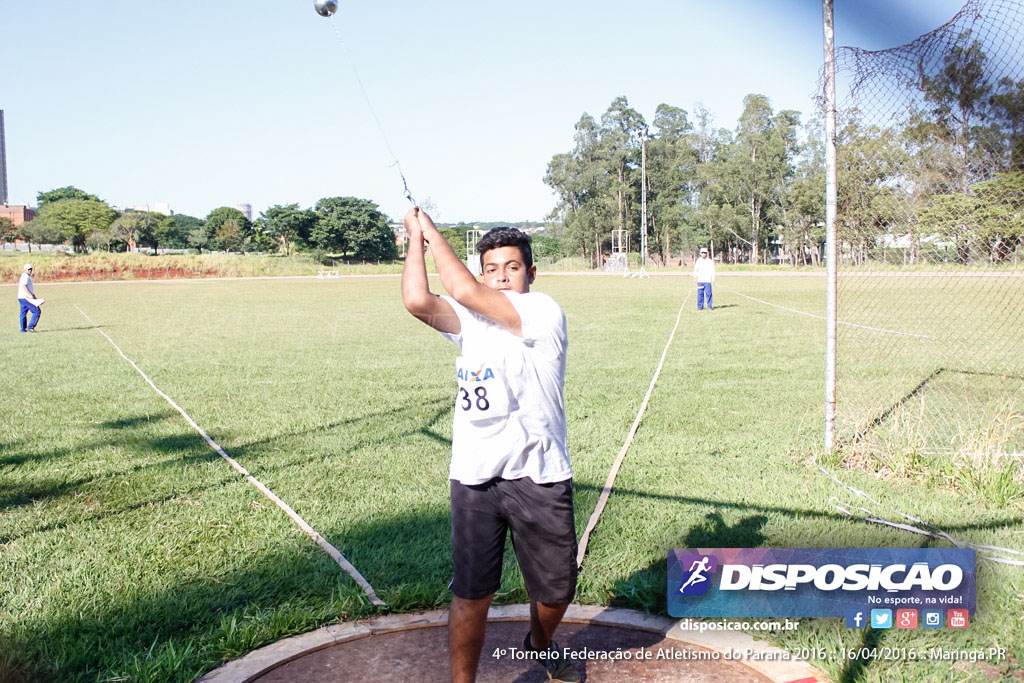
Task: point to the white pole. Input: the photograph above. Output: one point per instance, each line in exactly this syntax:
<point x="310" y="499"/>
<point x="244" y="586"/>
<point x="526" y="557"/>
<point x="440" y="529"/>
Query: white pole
<point x="643" y="199"/>
<point x="831" y="202"/>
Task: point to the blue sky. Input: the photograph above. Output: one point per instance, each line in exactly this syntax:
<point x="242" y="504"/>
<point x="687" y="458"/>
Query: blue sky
<point x="201" y="104"/>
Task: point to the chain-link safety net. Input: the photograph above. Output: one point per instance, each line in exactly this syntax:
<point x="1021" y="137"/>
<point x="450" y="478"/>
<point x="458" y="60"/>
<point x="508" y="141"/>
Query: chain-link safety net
<point x="930" y="240"/>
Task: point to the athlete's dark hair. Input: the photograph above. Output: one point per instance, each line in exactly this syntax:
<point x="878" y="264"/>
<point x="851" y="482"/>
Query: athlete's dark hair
<point x="507" y="237"/>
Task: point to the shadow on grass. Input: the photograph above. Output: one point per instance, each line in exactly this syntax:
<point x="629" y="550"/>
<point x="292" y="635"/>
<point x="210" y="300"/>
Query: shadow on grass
<point x="714" y="532"/>
<point x="53" y="330"/>
<point x="645" y="589"/>
<point x="981" y="373"/>
<point x="114" y="512"/>
<point x="30" y="492"/>
<point x="183" y="448"/>
<point x="23" y="458"/>
<point x="394" y="430"/>
<point x="137" y="420"/>
<point x="216" y="605"/>
<point x="106" y="440"/>
<point x="888" y="412"/>
<point x="787" y="511"/>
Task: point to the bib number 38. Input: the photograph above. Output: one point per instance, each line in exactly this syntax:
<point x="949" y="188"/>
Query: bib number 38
<point x="482" y="393"/>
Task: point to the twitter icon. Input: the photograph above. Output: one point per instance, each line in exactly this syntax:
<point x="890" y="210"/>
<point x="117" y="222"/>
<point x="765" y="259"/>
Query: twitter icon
<point x="881" y="618"/>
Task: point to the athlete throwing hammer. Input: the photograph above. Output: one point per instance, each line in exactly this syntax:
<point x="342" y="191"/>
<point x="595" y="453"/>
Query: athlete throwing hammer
<point x="510" y="468"/>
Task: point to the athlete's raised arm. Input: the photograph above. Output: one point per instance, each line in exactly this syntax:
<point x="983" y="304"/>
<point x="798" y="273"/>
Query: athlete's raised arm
<point x="502" y="271"/>
<point x="416" y="295"/>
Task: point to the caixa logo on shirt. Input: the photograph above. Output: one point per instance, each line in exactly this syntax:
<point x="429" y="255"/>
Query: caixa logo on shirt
<point x="481" y="375"/>
<point x="816" y="582"/>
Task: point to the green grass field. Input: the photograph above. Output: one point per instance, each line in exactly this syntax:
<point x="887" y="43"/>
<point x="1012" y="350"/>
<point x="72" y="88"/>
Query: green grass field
<point x="131" y="551"/>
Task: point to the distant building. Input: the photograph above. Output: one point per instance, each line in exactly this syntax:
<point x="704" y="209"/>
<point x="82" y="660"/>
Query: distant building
<point x="246" y="210"/>
<point x="17" y="214"/>
<point x="140" y="207"/>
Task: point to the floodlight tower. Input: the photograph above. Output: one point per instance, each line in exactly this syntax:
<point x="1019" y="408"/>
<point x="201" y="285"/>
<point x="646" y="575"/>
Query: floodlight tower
<point x="642" y="134"/>
<point x="3" y="161"/>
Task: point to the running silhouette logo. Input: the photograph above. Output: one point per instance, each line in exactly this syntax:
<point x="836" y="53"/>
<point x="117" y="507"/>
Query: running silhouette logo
<point x="696" y="578"/>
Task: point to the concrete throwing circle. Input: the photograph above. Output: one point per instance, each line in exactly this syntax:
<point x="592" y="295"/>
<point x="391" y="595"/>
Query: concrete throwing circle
<point x="606" y="644"/>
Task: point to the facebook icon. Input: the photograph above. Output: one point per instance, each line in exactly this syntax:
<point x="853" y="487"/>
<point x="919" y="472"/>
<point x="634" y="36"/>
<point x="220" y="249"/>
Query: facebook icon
<point x="855" y="618"/>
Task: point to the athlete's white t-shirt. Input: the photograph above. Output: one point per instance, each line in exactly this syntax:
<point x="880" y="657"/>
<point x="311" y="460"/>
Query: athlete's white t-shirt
<point x="510" y="408"/>
<point x="25" y="288"/>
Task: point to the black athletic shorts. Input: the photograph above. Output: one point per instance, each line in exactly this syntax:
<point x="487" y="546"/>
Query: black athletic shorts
<point x="540" y="517"/>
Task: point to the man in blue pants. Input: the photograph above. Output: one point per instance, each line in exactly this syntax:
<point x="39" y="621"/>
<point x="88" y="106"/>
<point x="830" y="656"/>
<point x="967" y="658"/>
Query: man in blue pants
<point x="27" y="300"/>
<point x="704" y="274"/>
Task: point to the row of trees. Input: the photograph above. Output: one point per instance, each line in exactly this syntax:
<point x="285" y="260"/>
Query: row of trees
<point x="345" y="226"/>
<point x="946" y="173"/>
<point x="946" y="176"/>
<point x="732" y="189"/>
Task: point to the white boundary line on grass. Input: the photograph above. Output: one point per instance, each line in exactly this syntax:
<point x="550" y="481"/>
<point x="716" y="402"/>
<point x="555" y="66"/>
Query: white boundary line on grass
<point x="316" y="537"/>
<point x="821" y="317"/>
<point x="607" y="490"/>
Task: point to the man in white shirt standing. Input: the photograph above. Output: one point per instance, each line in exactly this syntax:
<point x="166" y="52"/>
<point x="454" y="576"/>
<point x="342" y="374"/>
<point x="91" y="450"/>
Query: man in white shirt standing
<point x="704" y="274"/>
<point x="27" y="300"/>
<point x="510" y="468"/>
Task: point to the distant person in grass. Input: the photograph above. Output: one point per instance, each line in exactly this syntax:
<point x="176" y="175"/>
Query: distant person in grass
<point x="704" y="274"/>
<point x="27" y="301"/>
<point x="510" y="468"/>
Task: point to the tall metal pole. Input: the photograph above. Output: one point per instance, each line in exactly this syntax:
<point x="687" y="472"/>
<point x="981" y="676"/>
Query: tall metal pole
<point x="643" y="198"/>
<point x="3" y="161"/>
<point x="831" y="202"/>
